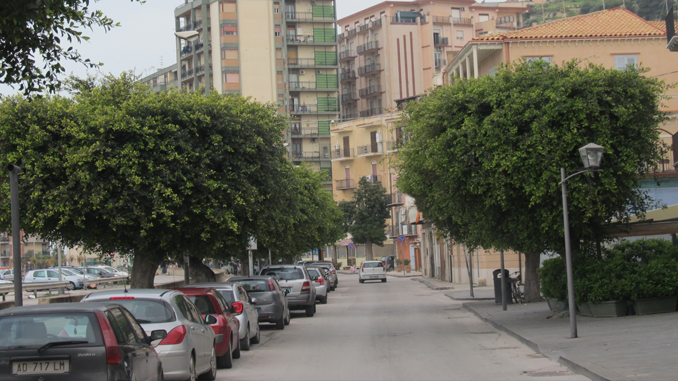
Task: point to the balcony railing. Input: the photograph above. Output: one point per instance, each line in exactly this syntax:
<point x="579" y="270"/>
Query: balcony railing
<point x="309" y="62"/>
<point x="307" y="39"/>
<point x="370" y="112"/>
<point x="364" y="48"/>
<point x="342" y="153"/>
<point x="297" y="86"/>
<point x="441" y="41"/>
<point x="313" y="109"/>
<point x="364" y="27"/>
<point x="396" y="199"/>
<point x="351" y="32"/>
<point x="347" y="75"/>
<point x="370" y="149"/>
<point x="349" y="116"/>
<point x="441" y="63"/>
<point x="186" y="74"/>
<point x="667" y="163"/>
<point x="199" y="69"/>
<point x="345" y="54"/>
<point x="310" y="155"/>
<point x="307" y="16"/>
<point x="345" y="184"/>
<point x="186" y="50"/>
<point x="341" y="35"/>
<point x="373" y="179"/>
<point x="349" y="97"/>
<point x="363" y="70"/>
<point x="462" y="20"/>
<point x="375" y="23"/>
<point x="440" y="19"/>
<point x="393" y="145"/>
<point x="370" y="90"/>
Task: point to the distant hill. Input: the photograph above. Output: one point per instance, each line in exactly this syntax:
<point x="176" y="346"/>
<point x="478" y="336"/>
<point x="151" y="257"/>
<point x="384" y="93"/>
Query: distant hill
<point x="650" y="10"/>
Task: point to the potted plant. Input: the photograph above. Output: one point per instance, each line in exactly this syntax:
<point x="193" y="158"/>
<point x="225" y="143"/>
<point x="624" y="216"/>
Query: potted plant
<point x="553" y="280"/>
<point x="406" y="264"/>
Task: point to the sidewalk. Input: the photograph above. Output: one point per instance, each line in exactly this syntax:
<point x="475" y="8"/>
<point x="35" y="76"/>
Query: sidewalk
<point x="626" y="348"/>
<point x="461" y="290"/>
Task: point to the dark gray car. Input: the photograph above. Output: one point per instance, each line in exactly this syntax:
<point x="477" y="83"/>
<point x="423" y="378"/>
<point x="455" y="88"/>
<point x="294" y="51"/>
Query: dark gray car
<point x="296" y="281"/>
<point x="76" y="341"/>
<point x="269" y="298"/>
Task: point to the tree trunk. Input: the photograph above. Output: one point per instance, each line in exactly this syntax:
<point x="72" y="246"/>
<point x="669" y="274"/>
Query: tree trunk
<point x="335" y="256"/>
<point x="199" y="272"/>
<point x="368" y="250"/>
<point x="531" y="279"/>
<point x="143" y="271"/>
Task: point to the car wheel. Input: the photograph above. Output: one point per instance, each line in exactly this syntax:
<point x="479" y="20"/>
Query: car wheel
<point x="310" y="311"/>
<point x="360" y="280"/>
<point x="257" y="339"/>
<point x="287" y="318"/>
<point x="226" y="361"/>
<point x="280" y="323"/>
<point x="212" y="374"/>
<point x="236" y="353"/>
<point x="245" y="341"/>
<point x="332" y="288"/>
<point x="191" y="369"/>
<point x="71" y="286"/>
<point x="383" y="280"/>
<point x="323" y="300"/>
<point x="161" y="376"/>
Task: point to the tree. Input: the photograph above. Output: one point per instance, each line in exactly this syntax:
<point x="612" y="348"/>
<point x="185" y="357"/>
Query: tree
<point x="484" y="155"/>
<point x="365" y="215"/>
<point x="118" y="168"/>
<point x="40" y="27"/>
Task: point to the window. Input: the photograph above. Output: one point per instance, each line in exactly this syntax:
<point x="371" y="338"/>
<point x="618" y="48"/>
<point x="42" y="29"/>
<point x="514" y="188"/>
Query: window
<point x="545" y="59"/>
<point x="228" y="6"/>
<point x="203" y="304"/>
<point x="141" y="336"/>
<point x="456" y="13"/>
<point x="276" y="10"/>
<point x="229" y="30"/>
<point x="460" y="35"/>
<point x="622" y="61"/>
<point x="277" y="31"/>
<point x="483" y="17"/>
<point x="53" y="274"/>
<point x="125" y="327"/>
<point x="148" y="310"/>
<point x="194" y="313"/>
<point x="231" y="77"/>
<point x="227" y="295"/>
<point x="181" y="305"/>
<point x="39" y="274"/>
<point x="229" y="54"/>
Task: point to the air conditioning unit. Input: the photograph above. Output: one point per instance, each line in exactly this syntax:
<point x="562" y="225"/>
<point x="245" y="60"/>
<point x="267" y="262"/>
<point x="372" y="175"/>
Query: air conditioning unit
<point x="462" y="8"/>
<point x="302" y="72"/>
<point x="312" y="140"/>
<point x="378" y="137"/>
<point x="336" y="146"/>
<point x="318" y="71"/>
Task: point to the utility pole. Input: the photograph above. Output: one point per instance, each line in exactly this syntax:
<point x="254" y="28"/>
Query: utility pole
<point x="187" y="278"/>
<point x="16" y="232"/>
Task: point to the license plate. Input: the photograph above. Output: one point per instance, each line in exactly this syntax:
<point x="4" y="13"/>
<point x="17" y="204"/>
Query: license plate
<point x="289" y="289"/>
<point x="41" y="367"/>
<point x="258" y="310"/>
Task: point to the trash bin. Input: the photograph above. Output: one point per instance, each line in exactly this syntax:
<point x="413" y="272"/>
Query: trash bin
<point x="497" y="286"/>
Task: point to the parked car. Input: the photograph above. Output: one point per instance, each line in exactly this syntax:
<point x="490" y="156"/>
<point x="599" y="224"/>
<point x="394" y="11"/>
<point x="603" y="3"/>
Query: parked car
<point x="2" y="272"/>
<point x="210" y="302"/>
<point x="85" y="277"/>
<point x="334" y="279"/>
<point x="189" y="348"/>
<point x="74" y="341"/>
<point x="8" y="275"/>
<point x="372" y="270"/>
<point x="269" y="298"/>
<point x="113" y="270"/>
<point x="101" y="273"/>
<point x="295" y="279"/>
<point x="48" y="275"/>
<point x="320" y="282"/>
<point x="5" y="283"/>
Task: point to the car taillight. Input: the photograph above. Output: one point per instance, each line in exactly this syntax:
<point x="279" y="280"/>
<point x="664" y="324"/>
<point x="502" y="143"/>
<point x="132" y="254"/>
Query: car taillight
<point x="175" y="336"/>
<point x="322" y="281"/>
<point x="333" y="271"/>
<point x="237" y="307"/>
<point x="113" y="353"/>
<point x="306" y="286"/>
<point x="120" y="297"/>
<point x="271" y="285"/>
<point x="362" y="267"/>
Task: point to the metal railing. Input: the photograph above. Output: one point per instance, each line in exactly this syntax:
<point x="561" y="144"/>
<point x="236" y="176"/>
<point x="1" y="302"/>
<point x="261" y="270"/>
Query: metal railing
<point x="199" y="69"/>
<point x="667" y="163"/>
<point x="310" y="155"/>
<point x="307" y="16"/>
<point x="369" y="68"/>
<point x="462" y="20"/>
<point x="186" y="74"/>
<point x="441" y="41"/>
<point x="441" y="63"/>
<point x="313" y="108"/>
<point x="370" y="90"/>
<point x="370" y="112"/>
<point x="341" y="35"/>
<point x="346" y="54"/>
<point x="368" y="46"/>
<point x="352" y="31"/>
<point x="308" y="62"/>
<point x="349" y="115"/>
<point x="347" y="75"/>
<point x="345" y="184"/>
<point x="342" y="153"/>
<point x="348" y="97"/>
<point x="369" y="149"/>
<point x="296" y="86"/>
<point x="305" y="39"/>
<point x="393" y="145"/>
<point x="440" y="19"/>
<point x="396" y="199"/>
<point x="373" y="179"/>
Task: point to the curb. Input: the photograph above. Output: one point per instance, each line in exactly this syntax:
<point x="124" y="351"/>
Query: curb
<point x="430" y="285"/>
<point x="403" y="276"/>
<point x="573" y="366"/>
<point x="468" y="299"/>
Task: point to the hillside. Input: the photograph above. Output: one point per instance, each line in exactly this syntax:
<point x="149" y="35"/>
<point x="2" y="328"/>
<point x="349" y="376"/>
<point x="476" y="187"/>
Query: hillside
<point x="557" y="9"/>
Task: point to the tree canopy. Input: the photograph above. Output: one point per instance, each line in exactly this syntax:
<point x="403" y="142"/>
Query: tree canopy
<point x="365" y="215"/>
<point x="483" y="155"/>
<point x="30" y="28"/>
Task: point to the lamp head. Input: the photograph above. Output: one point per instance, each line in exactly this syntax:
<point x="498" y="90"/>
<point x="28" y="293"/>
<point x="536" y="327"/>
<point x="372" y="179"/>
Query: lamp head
<point x="591" y="155"/>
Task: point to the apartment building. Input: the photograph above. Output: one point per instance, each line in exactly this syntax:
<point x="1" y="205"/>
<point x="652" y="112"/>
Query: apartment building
<point x="33" y="244"/>
<point x="397" y="50"/>
<point x="279" y="51"/>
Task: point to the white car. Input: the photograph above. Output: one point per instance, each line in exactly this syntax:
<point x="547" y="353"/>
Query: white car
<point x="48" y="275"/>
<point x="372" y="270"/>
<point x="113" y="270"/>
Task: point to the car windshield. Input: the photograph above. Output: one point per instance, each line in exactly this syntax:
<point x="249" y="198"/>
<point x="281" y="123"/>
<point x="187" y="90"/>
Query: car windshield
<point x="258" y="285"/>
<point x="203" y="303"/>
<point x="285" y="273"/>
<point x="373" y="264"/>
<point x="67" y="272"/>
<point x="147" y="310"/>
<point x="28" y="331"/>
<point x="228" y="295"/>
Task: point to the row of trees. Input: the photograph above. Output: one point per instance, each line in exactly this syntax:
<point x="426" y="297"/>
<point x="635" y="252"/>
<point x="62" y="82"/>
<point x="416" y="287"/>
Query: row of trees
<point x="483" y="156"/>
<point x="117" y="168"/>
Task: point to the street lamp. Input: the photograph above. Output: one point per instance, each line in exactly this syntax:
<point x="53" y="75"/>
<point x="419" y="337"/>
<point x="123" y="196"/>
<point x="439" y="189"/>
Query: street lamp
<point x="591" y="155"/>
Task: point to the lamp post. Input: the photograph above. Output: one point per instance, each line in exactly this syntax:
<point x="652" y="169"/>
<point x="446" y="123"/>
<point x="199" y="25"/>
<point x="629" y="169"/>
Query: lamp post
<point x="591" y="155"/>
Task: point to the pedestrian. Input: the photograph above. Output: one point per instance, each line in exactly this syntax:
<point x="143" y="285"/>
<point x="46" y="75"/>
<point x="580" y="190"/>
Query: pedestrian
<point x="235" y="268"/>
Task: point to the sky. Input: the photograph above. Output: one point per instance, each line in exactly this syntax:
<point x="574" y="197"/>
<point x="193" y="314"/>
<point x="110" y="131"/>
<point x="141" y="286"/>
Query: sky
<point x="144" y="42"/>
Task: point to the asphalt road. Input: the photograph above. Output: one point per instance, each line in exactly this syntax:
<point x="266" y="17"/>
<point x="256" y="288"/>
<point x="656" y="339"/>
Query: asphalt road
<point x="399" y="330"/>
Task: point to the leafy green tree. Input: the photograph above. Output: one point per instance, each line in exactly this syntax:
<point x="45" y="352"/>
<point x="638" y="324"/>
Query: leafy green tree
<point x="365" y="215"/>
<point x="40" y="27"/>
<point x="118" y="168"/>
<point x="484" y="155"/>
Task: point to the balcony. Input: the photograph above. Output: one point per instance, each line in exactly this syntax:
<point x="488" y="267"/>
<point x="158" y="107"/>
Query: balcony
<point x="309" y="39"/>
<point x="667" y="164"/>
<point x="309" y="155"/>
<point x="368" y="69"/>
<point x="392" y="146"/>
<point x="341" y="36"/>
<point x="349" y="116"/>
<point x="307" y="16"/>
<point x="441" y="41"/>
<point x="440" y="19"/>
<point x="186" y="74"/>
<point x="310" y="86"/>
<point x="347" y="76"/>
<point x="297" y="131"/>
<point x="375" y="24"/>
<point x="345" y="153"/>
<point x="373" y="179"/>
<point x="186" y="51"/>
<point x="345" y="184"/>
<point x="310" y="62"/>
<point x="440" y="63"/>
<point x="370" y="112"/>
<point x="370" y="149"/>
<point x="349" y="97"/>
<point x="346" y="54"/>
<point x="396" y="199"/>
<point x="462" y="21"/>
<point x="351" y="32"/>
<point x="370" y="91"/>
<point x="368" y="47"/>
<point x="313" y="109"/>
<point x="199" y="69"/>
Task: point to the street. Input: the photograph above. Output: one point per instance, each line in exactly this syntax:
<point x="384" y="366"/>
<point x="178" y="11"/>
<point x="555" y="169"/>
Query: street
<point x="399" y="330"/>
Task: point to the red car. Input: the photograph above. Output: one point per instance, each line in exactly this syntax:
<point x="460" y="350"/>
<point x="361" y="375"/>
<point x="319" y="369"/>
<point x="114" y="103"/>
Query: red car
<point x="210" y="302"/>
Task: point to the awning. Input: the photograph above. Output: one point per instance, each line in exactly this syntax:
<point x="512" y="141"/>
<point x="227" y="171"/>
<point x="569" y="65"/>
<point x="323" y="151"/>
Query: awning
<point x="656" y="222"/>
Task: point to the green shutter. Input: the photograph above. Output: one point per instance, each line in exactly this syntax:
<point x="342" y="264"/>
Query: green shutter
<point x="324" y="35"/>
<point x="331" y="58"/>
<point x="325" y="58"/>
<point x="326" y="81"/>
<point x="324" y="128"/>
<point x="323" y="11"/>
<point x="327" y="104"/>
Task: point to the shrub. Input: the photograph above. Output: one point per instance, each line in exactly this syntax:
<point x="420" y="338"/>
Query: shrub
<point x="553" y="278"/>
<point x="399" y="262"/>
<point x="406" y="262"/>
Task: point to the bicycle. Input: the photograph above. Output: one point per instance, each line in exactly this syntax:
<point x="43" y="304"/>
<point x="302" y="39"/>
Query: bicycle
<point x="517" y="295"/>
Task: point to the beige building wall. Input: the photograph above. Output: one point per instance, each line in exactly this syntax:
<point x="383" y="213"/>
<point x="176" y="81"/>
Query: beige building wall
<point x="216" y="53"/>
<point x="257" y="50"/>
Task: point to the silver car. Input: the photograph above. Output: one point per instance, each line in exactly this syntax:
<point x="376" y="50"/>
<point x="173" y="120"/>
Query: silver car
<point x="269" y="299"/>
<point x="188" y="350"/>
<point x="334" y="279"/>
<point x="241" y="307"/>
<point x="320" y="281"/>
<point x="296" y="281"/>
<point x="47" y="276"/>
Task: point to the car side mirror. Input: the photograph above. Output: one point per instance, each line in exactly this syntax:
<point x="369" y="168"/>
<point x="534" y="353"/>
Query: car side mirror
<point x="286" y="291"/>
<point x="210" y="320"/>
<point x="158" y="334"/>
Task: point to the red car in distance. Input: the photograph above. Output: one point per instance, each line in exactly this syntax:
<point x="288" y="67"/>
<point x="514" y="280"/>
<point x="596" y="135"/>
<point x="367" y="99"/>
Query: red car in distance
<point x="210" y="302"/>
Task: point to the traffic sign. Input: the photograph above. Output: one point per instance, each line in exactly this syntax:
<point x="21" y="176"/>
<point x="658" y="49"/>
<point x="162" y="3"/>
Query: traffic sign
<point x="401" y="238"/>
<point x="351" y="245"/>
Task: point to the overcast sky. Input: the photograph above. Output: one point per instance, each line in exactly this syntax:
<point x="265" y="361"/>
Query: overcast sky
<point x="144" y="42"/>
